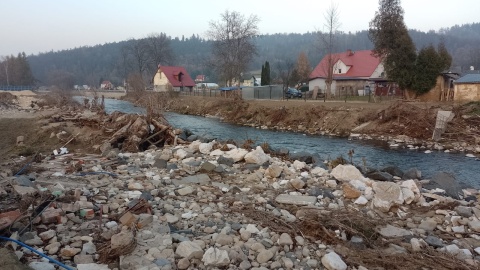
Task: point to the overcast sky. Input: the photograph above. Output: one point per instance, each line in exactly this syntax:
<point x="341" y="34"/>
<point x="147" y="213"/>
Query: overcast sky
<point x="35" y="26"/>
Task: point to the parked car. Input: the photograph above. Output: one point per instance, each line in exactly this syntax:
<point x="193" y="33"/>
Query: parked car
<point x="293" y="93"/>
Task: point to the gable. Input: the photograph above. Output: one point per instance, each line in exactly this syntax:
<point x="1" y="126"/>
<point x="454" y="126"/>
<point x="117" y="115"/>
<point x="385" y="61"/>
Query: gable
<point x="177" y="76"/>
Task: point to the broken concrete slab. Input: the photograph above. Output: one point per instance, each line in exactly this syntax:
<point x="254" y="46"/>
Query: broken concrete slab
<point x="296" y="199"/>
<point x="202" y="179"/>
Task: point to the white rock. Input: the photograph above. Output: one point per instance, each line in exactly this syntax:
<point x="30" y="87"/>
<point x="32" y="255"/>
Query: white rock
<point x="216" y="257"/>
<point x="92" y="266"/>
<point x="111" y="224"/>
<point x="189" y="250"/>
<point x="194" y="146"/>
<point x="387" y="194"/>
<point x="180" y="154"/>
<point x="319" y="171"/>
<point x="333" y="262"/>
<point x="257" y="156"/>
<point x="237" y="154"/>
<point x="361" y="200"/>
<point x="331" y="183"/>
<point x="408" y="195"/>
<point x="252" y="228"/>
<point x="187" y="215"/>
<point x="217" y="152"/>
<point x="346" y="173"/>
<point x="298" y="165"/>
<point x="205" y="148"/>
<point x="273" y="171"/>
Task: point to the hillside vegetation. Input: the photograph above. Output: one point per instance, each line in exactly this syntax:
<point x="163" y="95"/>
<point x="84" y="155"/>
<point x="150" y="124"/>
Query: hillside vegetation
<point x="90" y="65"/>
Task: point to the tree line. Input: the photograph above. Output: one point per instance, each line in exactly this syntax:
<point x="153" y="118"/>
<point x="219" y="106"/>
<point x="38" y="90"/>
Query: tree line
<point x="15" y="71"/>
<point x="114" y="61"/>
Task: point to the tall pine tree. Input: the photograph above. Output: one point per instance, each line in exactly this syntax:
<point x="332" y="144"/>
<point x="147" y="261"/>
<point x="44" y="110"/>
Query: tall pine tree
<point x="392" y="43"/>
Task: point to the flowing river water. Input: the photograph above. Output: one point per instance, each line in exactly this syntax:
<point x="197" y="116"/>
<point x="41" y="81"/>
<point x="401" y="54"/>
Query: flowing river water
<point x="377" y="154"/>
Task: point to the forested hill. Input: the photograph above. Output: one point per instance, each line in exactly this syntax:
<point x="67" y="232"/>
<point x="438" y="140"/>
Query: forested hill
<point x="90" y="65"/>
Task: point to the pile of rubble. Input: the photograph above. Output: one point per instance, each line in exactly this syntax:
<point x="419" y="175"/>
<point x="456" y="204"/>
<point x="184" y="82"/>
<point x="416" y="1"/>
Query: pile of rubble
<point x="120" y="131"/>
<point x="212" y="205"/>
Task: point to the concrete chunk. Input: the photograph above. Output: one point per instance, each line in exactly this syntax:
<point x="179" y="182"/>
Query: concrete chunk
<point x="296" y="199"/>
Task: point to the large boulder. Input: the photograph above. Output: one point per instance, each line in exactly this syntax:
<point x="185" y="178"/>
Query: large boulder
<point x="302" y="156"/>
<point x="257" y="156"/>
<point x="380" y="176"/>
<point x="446" y="182"/>
<point x="236" y="154"/>
<point x="393" y="170"/>
<point x="386" y="195"/>
<point x="412" y="173"/>
<point x="205" y="148"/>
<point x="346" y="173"/>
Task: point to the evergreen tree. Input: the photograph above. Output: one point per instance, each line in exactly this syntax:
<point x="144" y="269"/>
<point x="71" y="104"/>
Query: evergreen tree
<point x="262" y="76"/>
<point x="445" y="57"/>
<point x="392" y="43"/>
<point x="267" y="73"/>
<point x="428" y="67"/>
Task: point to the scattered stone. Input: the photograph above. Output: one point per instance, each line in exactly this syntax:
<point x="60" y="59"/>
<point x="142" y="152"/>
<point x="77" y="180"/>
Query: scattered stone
<point x="297" y="183"/>
<point x="333" y="262"/>
<point x="122" y="240"/>
<point x="285" y="239"/>
<point x="393" y="232"/>
<point x="257" y="156"/>
<point x="264" y="256"/>
<point x="273" y="171"/>
<point x="189" y="250"/>
<point x="349" y="192"/>
<point x="346" y="173"/>
<point x="216" y="257"/>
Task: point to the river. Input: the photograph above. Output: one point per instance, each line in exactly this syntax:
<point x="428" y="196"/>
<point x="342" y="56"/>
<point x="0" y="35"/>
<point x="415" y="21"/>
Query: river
<point x="376" y="154"/>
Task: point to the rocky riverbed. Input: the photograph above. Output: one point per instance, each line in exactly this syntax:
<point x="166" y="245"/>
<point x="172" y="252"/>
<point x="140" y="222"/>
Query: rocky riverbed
<point x="215" y="205"/>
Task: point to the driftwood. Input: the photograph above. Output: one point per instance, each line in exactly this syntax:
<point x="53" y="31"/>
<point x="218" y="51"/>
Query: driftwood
<point x="127" y="132"/>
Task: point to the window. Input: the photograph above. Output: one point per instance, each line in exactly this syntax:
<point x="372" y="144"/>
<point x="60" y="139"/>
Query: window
<point x="340" y="71"/>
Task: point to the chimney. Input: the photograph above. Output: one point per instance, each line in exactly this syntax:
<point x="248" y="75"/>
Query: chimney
<point x="350" y="52"/>
<point x="472" y="68"/>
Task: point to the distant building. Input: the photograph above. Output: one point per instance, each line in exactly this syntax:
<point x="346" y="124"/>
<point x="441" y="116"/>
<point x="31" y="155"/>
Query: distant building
<point x="106" y="85"/>
<point x="200" y="79"/>
<point x="172" y="78"/>
<point x="352" y="71"/>
<point x="467" y="88"/>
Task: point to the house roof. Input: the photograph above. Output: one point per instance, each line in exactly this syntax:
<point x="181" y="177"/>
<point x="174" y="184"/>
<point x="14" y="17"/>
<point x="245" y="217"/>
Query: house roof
<point x="172" y="73"/>
<point x="361" y="63"/>
<point x="469" y="78"/>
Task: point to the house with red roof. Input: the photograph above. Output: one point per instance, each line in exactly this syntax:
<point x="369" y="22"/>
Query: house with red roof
<point x="352" y="71"/>
<point x="172" y="78"/>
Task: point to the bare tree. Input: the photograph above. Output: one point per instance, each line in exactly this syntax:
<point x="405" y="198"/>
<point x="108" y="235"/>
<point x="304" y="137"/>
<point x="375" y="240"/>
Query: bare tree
<point x="303" y="67"/>
<point x="285" y="70"/>
<point x="233" y="47"/>
<point x="159" y="50"/>
<point x="137" y="51"/>
<point x="328" y="42"/>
